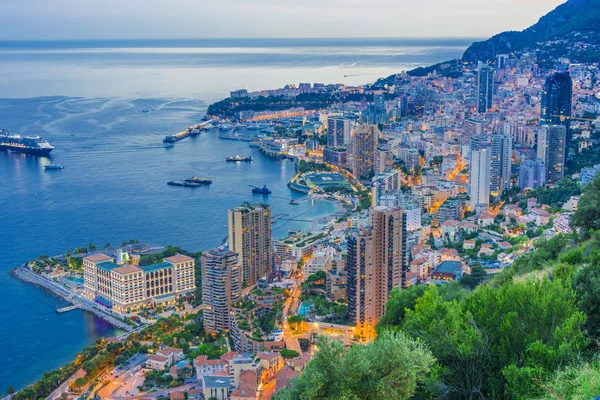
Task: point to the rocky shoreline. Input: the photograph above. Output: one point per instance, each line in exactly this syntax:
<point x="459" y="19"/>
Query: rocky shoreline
<point x="25" y="275"/>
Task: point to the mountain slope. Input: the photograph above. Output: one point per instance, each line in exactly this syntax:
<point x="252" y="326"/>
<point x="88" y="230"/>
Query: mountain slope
<point x="574" y="16"/>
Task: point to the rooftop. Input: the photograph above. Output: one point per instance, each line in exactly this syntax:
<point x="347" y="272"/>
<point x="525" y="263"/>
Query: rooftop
<point x="98" y="257"/>
<point x="217" y="382"/>
<point x="449" y="267"/>
<point x="178" y="258"/>
<point x="156" y="267"/>
<point x="127" y="269"/>
<point x="107" y="265"/>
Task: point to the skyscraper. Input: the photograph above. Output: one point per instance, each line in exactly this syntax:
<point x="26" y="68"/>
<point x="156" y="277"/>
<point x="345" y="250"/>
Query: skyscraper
<point x="479" y="178"/>
<point x="337" y="130"/>
<point x="221" y="288"/>
<point x="485" y="88"/>
<point x="501" y="163"/>
<point x="365" y="142"/>
<point x="250" y="238"/>
<point x="557" y="97"/>
<point x="383" y="160"/>
<point x="551" y="149"/>
<point x="377" y="263"/>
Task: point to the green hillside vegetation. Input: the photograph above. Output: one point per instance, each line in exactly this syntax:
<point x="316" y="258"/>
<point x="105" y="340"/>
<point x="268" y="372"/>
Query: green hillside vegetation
<point x="575" y="16"/>
<point x="530" y="332"/>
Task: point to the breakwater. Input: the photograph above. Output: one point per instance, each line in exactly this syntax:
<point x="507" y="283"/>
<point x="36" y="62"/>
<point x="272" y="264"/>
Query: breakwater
<point x="24" y="274"/>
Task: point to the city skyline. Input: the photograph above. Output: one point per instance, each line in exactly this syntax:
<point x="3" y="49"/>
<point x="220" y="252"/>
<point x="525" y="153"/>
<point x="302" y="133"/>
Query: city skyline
<point x="265" y="19"/>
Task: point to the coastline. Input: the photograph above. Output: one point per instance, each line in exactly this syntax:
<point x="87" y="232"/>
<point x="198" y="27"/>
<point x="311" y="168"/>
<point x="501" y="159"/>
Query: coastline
<point x="23" y="274"/>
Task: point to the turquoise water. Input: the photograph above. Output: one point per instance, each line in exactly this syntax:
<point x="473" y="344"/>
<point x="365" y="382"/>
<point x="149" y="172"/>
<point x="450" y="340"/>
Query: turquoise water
<point x="113" y="187"/>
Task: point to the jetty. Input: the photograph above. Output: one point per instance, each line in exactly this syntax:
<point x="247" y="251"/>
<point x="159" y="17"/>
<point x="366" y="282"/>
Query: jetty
<point x="66" y="309"/>
<point x="24" y="274"/>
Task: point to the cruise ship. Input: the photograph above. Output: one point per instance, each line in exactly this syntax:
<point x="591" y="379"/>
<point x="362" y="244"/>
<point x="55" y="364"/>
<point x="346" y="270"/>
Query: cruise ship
<point x="34" y="145"/>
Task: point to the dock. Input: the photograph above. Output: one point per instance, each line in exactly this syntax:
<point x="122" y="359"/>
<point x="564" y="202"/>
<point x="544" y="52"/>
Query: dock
<point x="191" y="131"/>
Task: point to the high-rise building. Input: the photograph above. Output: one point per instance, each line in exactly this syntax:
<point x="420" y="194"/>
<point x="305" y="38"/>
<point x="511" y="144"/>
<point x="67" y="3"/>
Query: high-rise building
<point x="479" y="178"/>
<point x="501" y="164"/>
<point x="557" y="98"/>
<point x="502" y="61"/>
<point x="485" y="88"/>
<point x="250" y="238"/>
<point x="335" y="155"/>
<point x="365" y="142"/>
<point x="383" y="160"/>
<point x="221" y="288"/>
<point x="532" y="174"/>
<point x="551" y="149"/>
<point x="337" y="130"/>
<point x="377" y="263"/>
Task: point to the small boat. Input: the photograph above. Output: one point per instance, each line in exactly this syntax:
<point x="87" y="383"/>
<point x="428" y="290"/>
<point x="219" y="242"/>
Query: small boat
<point x="54" y="167"/>
<point x="226" y="127"/>
<point x="183" y="183"/>
<point x="238" y="159"/>
<point x="258" y="190"/>
<point x="294" y="202"/>
<point x="202" y="180"/>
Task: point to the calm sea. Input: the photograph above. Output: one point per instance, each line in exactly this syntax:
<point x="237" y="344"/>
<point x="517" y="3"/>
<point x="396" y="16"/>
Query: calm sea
<point x="87" y="99"/>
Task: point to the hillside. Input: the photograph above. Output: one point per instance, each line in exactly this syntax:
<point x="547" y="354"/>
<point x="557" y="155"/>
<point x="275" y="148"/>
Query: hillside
<point x="575" y="20"/>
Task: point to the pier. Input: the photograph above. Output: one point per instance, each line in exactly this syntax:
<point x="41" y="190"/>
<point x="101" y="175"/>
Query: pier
<point x="66" y="309"/>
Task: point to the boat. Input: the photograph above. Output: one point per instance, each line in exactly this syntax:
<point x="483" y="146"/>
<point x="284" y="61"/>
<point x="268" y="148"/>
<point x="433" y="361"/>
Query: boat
<point x="226" y="127"/>
<point x="53" y="167"/>
<point x="238" y="159"/>
<point x="183" y="183"/>
<point x="202" y="180"/>
<point x="235" y="136"/>
<point x="294" y="202"/>
<point x="254" y="127"/>
<point x="145" y="110"/>
<point x="34" y="145"/>
<point x="258" y="190"/>
<point x="168" y="145"/>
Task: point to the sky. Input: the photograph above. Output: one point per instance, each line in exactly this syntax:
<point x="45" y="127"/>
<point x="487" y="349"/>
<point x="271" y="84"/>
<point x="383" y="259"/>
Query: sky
<point x="132" y="19"/>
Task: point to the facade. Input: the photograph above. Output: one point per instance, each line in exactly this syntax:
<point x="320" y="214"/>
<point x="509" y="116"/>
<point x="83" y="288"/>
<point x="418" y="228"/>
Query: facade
<point x="365" y="142"/>
<point x="501" y="163"/>
<point x="532" y="174"/>
<point x="337" y="130"/>
<point x="221" y="287"/>
<point x="557" y="98"/>
<point x="250" y="237"/>
<point x="551" y="149"/>
<point x="376" y="264"/>
<point x="485" y="88"/>
<point x="479" y="178"/>
<point x="335" y="155"/>
<point x="126" y="288"/>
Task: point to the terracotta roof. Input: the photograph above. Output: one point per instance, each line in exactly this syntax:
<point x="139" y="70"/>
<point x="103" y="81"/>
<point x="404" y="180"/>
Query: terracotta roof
<point x="177" y="396"/>
<point x="158" y="358"/>
<point x="98" y="257"/>
<point x="248" y="380"/>
<point x="229" y="356"/>
<point x="127" y="269"/>
<point x="178" y="258"/>
<point x="267" y="356"/>
<point x="283" y="378"/>
<point x="203" y="360"/>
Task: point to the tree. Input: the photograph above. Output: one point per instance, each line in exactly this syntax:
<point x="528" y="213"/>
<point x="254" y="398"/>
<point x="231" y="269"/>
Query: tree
<point x="389" y="368"/>
<point x="10" y="390"/>
<point x="478" y="276"/>
<point x="80" y="382"/>
<point x="399" y="302"/>
<point x="587" y="216"/>
<point x="586" y="283"/>
<point x="287" y="354"/>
